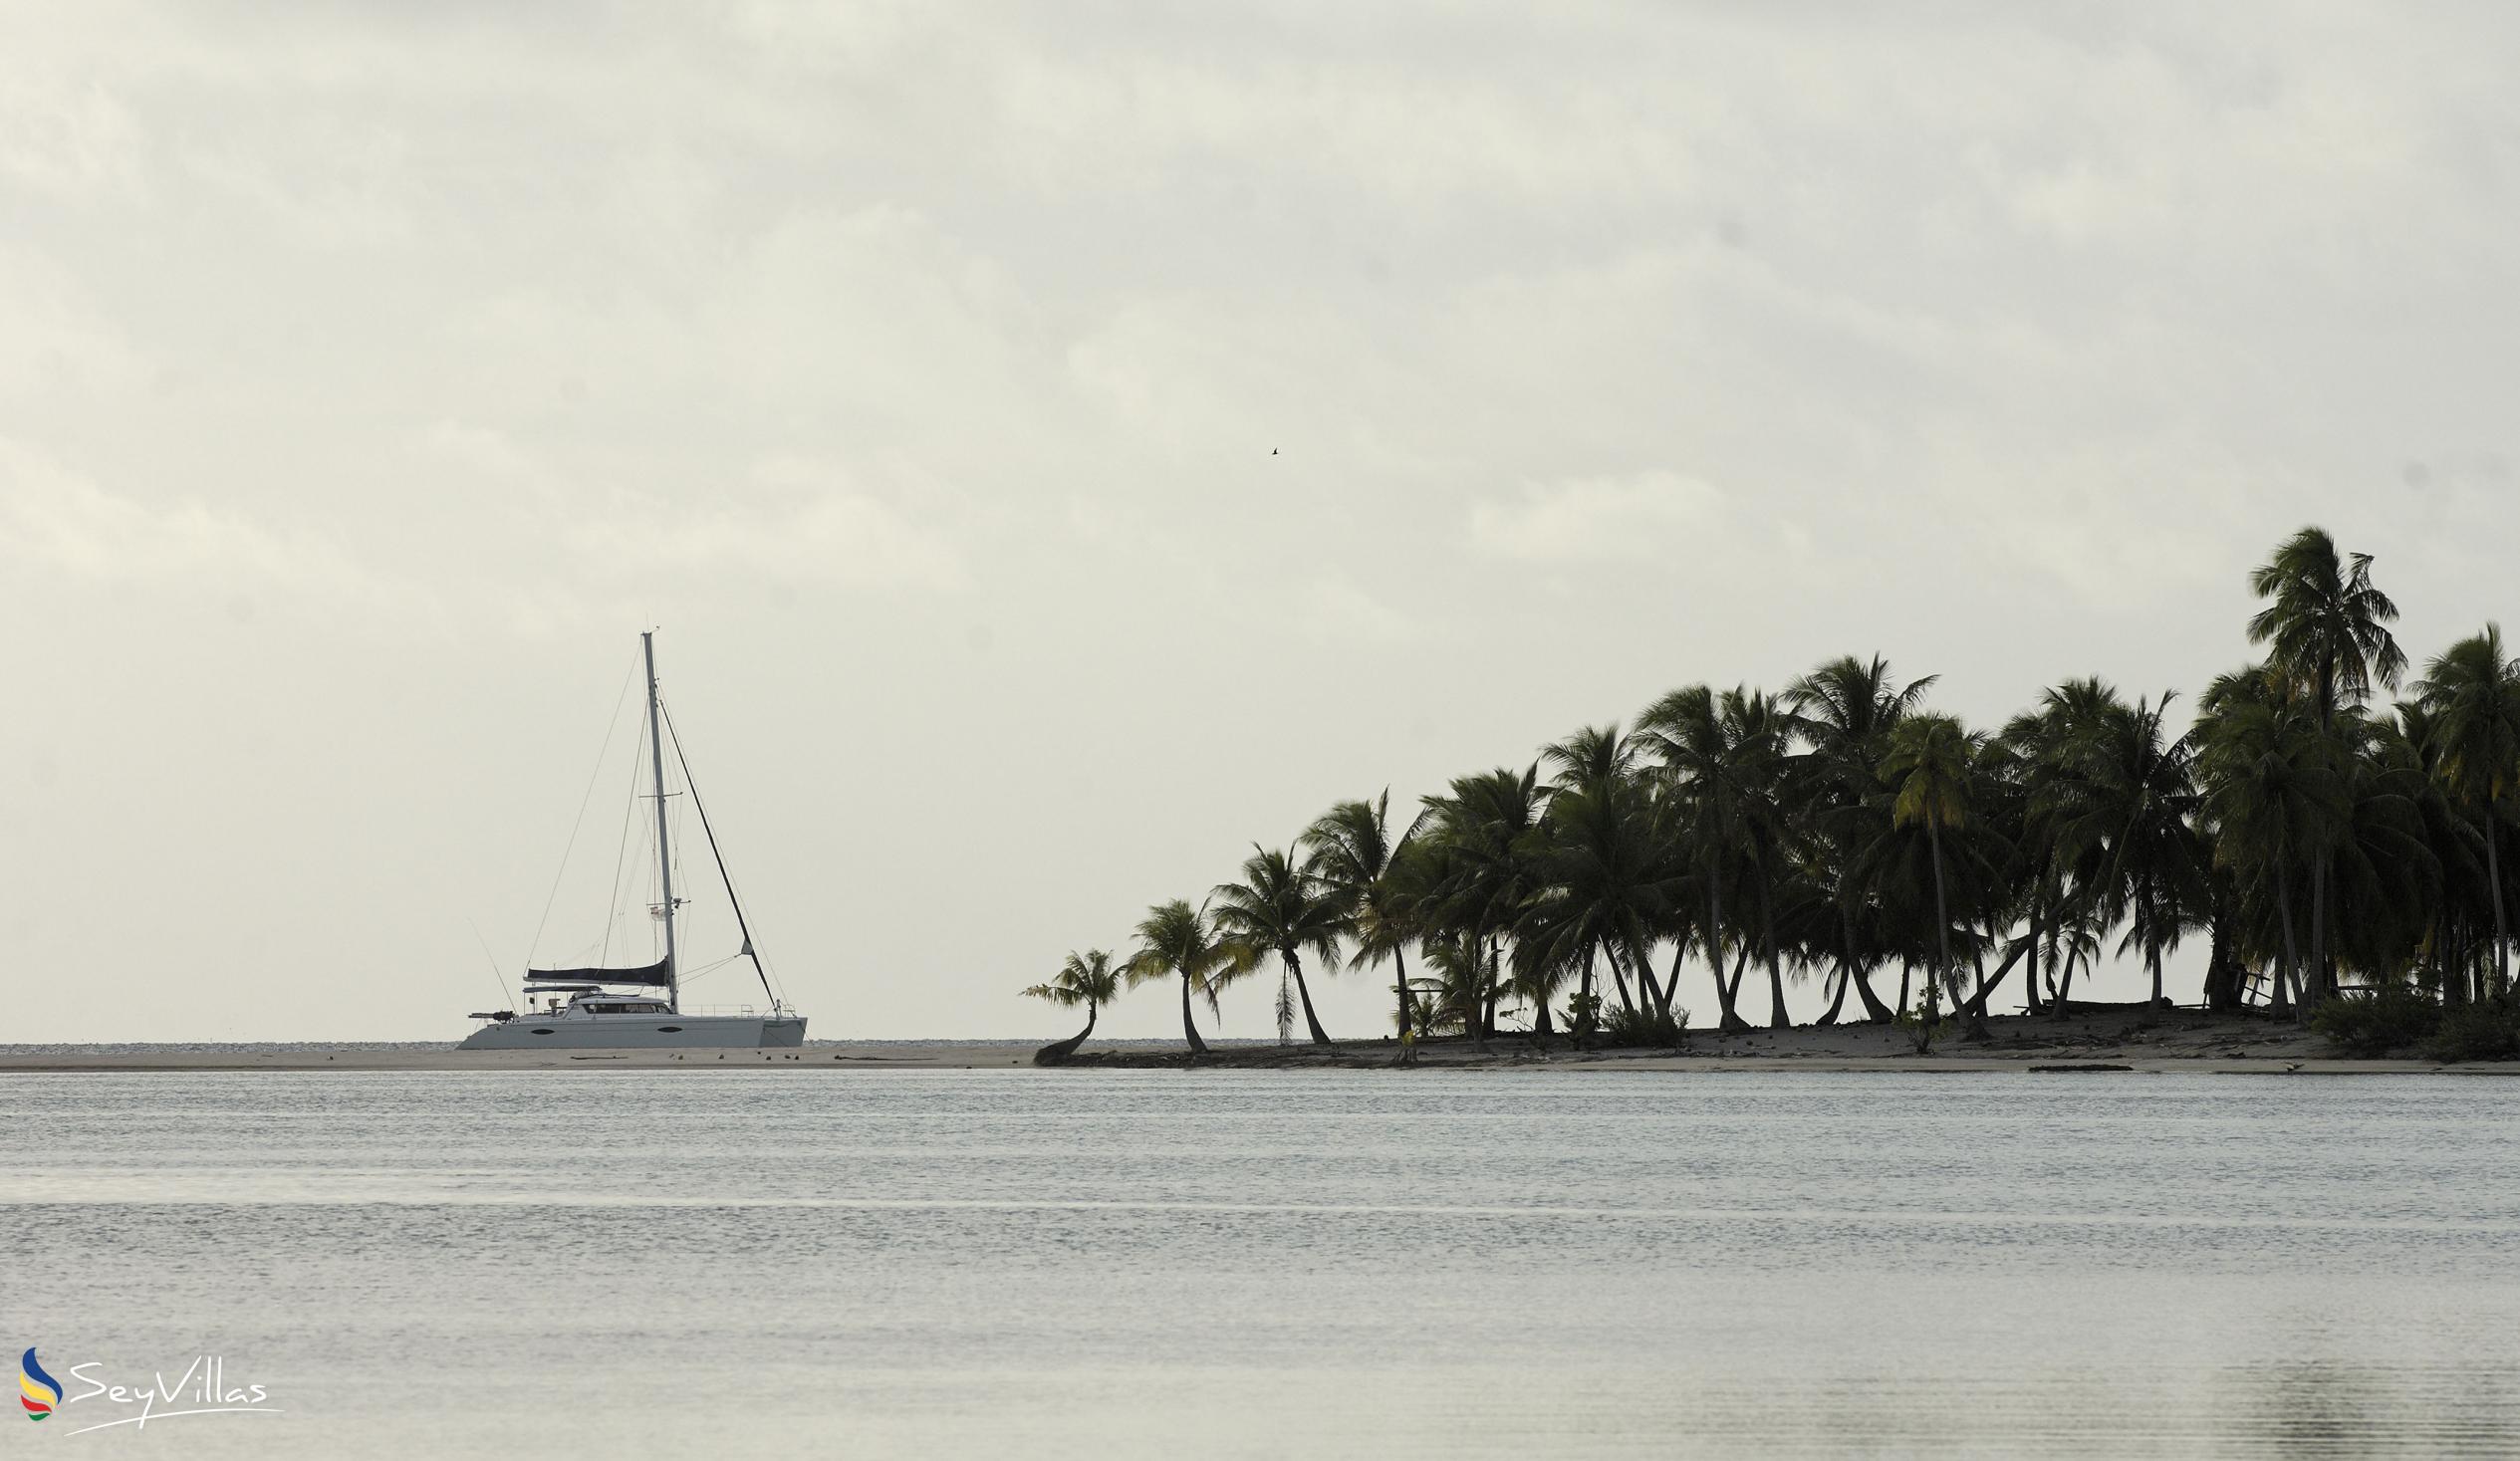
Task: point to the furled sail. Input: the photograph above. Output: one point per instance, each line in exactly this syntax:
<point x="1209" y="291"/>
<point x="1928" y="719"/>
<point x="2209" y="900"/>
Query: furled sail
<point x="656" y="976"/>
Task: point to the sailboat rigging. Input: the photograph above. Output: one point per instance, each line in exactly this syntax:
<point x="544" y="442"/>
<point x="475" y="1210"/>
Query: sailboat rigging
<point x="607" y="1007"/>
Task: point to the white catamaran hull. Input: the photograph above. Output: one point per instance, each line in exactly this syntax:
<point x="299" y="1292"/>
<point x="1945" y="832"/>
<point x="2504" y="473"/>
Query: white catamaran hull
<point x="641" y="1032"/>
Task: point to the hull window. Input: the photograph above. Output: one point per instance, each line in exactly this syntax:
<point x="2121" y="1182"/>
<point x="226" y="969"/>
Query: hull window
<point x="542" y="1030"/>
<point x="670" y="1030"/>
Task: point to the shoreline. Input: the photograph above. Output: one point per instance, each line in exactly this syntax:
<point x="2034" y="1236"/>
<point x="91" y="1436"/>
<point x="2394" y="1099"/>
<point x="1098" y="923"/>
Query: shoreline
<point x="2105" y="1040"/>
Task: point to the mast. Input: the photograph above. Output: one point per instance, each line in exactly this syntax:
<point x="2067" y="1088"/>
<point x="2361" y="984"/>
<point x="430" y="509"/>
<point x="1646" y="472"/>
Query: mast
<point x="665" y="856"/>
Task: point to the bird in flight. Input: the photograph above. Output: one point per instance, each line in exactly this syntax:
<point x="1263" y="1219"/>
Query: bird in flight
<point x="1273" y="451"/>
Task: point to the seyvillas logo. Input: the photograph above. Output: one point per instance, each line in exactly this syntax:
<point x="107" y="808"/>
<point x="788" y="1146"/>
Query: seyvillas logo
<point x="37" y="1391"/>
<point x="202" y="1388"/>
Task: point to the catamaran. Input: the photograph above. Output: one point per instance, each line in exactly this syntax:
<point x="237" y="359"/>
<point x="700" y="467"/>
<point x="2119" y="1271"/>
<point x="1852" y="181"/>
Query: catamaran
<point x="642" y="1008"/>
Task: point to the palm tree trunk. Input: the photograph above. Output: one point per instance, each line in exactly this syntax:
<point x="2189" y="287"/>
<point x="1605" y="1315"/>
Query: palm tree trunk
<point x="1987" y="985"/>
<point x="1907" y="972"/>
<point x="2453" y="978"/>
<point x="1875" y="1012"/>
<point x="1496" y="983"/>
<point x="2151" y="943"/>
<point x="1778" y="1018"/>
<point x="2036" y="1006"/>
<point x="1619" y="978"/>
<point x="2493" y="880"/>
<point x="1583" y="1000"/>
<point x="1716" y="951"/>
<point x="1051" y="1055"/>
<point x="1838" y="1000"/>
<point x="1400" y="961"/>
<point x="1295" y="966"/>
<point x="1190" y="1031"/>
<point x="2284" y="916"/>
<point x="2222" y="968"/>
<point x="1974" y="1009"/>
<point x="1942" y="941"/>
<point x="2317" y="984"/>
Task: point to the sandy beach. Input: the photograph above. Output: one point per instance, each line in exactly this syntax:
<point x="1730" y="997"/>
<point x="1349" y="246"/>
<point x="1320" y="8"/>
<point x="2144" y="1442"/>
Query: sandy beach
<point x="2123" y="1042"/>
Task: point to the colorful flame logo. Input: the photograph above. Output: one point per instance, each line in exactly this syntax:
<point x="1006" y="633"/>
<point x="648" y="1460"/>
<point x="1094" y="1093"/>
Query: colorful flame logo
<point x="37" y="1391"/>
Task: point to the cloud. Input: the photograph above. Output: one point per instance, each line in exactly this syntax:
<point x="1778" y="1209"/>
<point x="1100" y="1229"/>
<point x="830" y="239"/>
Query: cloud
<point x="1342" y="613"/>
<point x="69" y="141"/>
<point x="1588" y="518"/>
<point x="795" y="521"/>
<point x="51" y="517"/>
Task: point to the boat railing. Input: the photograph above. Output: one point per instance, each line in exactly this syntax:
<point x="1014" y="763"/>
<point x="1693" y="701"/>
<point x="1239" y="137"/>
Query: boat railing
<point x="749" y="1011"/>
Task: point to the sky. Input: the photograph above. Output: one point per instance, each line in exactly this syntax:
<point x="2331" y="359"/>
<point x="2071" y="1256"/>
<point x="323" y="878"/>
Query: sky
<point x="1060" y="446"/>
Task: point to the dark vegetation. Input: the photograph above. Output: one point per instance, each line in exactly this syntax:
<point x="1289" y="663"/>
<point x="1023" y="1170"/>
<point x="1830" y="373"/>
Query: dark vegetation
<point x="2341" y="856"/>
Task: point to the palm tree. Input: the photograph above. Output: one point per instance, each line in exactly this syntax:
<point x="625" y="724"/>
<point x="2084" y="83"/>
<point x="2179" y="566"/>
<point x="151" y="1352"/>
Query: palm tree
<point x="2061" y="842"/>
<point x="2273" y="799"/>
<point x="2326" y="624"/>
<point x="1842" y="712"/>
<point x="1698" y="739"/>
<point x="1603" y="884"/>
<point x="2143" y="790"/>
<point x="1277" y="908"/>
<point x="1927" y="769"/>
<point x="2325" y="627"/>
<point x="2471" y="695"/>
<point x="1480" y="837"/>
<point x="1591" y="760"/>
<point x="1351" y="856"/>
<point x="1176" y="938"/>
<point x="1762" y="732"/>
<point x="1085" y="978"/>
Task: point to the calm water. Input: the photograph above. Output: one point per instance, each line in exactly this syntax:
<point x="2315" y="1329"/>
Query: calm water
<point x="1166" y="1264"/>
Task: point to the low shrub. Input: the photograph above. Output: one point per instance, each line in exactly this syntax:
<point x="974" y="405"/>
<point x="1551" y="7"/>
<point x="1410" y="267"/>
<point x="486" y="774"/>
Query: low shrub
<point x="2376" y="1022"/>
<point x="2489" y="1031"/>
<point x="1638" y="1027"/>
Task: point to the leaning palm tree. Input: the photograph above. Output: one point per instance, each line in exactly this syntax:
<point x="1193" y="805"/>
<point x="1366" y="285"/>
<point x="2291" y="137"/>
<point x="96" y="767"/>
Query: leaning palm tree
<point x="1178" y="939"/>
<point x="1087" y="979"/>
<point x="1278" y="908"/>
<point x="1927" y="769"/>
<point x="2471" y="697"/>
<point x="1352" y="857"/>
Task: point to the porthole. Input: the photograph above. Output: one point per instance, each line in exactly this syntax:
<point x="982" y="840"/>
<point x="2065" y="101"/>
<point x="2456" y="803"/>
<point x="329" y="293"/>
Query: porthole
<point x="544" y="1030"/>
<point x="670" y="1030"/>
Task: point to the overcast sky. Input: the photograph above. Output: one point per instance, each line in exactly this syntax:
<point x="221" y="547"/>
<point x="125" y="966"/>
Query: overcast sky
<point x="371" y="374"/>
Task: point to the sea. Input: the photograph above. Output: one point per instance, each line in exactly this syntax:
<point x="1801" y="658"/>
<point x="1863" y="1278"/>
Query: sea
<point x="1374" y="1263"/>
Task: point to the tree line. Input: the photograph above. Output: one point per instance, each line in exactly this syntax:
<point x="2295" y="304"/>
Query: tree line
<point x="2326" y="834"/>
